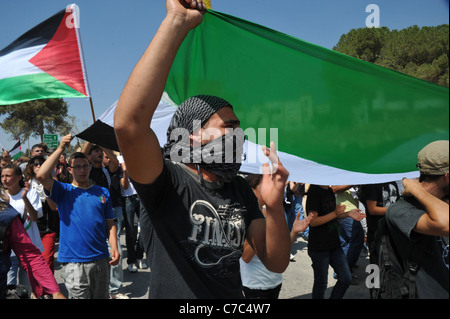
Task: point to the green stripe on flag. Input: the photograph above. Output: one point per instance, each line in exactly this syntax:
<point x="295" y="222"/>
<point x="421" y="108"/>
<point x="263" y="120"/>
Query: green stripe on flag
<point x="328" y="107"/>
<point x="16" y="155"/>
<point x="33" y="87"/>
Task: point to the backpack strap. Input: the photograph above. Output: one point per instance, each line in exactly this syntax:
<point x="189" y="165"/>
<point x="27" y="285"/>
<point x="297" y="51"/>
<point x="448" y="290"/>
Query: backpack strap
<point x="387" y="247"/>
<point x="415" y="260"/>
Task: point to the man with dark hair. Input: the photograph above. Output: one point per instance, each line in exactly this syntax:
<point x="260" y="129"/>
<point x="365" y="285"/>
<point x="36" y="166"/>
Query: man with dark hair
<point x="99" y="174"/>
<point x="419" y="221"/>
<point x="376" y="199"/>
<point x="200" y="210"/>
<point x="37" y="149"/>
<point x="86" y="223"/>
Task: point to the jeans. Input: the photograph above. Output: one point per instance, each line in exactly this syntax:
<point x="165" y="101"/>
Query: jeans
<point x="17" y="275"/>
<point x="134" y="245"/>
<point x="321" y="260"/>
<point x="351" y="234"/>
<point x="299" y="208"/>
<point x="116" y="272"/>
<point x="291" y="213"/>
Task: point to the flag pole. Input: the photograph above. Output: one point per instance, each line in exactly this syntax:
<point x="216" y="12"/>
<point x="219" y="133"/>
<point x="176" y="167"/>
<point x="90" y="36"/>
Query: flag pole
<point x="92" y="108"/>
<point x="76" y="18"/>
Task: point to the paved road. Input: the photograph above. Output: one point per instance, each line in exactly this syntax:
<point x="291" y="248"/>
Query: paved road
<point x="297" y="280"/>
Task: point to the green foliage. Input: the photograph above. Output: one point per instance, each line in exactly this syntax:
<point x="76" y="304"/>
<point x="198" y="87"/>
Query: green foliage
<point x="364" y="43"/>
<point x="419" y="52"/>
<point x="36" y="118"/>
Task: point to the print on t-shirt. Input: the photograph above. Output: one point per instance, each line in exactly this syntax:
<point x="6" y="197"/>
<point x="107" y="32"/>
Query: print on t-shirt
<point x="216" y="234"/>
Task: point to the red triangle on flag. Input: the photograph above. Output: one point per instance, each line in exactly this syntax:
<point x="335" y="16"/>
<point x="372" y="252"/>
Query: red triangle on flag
<point x="60" y="57"/>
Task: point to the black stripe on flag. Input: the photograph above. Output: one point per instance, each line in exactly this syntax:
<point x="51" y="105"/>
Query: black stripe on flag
<point x="15" y="146"/>
<point x="40" y="34"/>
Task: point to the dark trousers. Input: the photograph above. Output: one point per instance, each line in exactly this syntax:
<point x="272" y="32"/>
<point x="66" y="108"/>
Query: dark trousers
<point x="272" y="293"/>
<point x="134" y="244"/>
<point x="321" y="260"/>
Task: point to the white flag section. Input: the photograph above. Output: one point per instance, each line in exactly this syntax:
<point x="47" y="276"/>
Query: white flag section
<point x="301" y="170"/>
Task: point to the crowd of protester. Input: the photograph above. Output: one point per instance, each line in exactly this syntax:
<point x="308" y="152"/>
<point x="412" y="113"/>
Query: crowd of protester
<point x="338" y="222"/>
<point x="206" y="232"/>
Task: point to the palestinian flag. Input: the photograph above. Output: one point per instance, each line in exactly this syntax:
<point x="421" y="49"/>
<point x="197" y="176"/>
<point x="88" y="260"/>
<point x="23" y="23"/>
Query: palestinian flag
<point x="353" y="122"/>
<point x="340" y="120"/>
<point x="45" y="62"/>
<point x="301" y="170"/>
<point x="16" y="151"/>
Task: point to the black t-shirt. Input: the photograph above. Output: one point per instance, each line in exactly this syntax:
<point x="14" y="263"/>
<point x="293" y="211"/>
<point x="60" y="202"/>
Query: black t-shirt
<point x="384" y="194"/>
<point x="326" y="236"/>
<point x="111" y="182"/>
<point x="432" y="278"/>
<point x="114" y="188"/>
<point x="98" y="177"/>
<point x="49" y="222"/>
<point x="200" y="231"/>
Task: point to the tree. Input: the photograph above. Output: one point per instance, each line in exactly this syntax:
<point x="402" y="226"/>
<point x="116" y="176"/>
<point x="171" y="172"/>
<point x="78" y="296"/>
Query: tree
<point x="36" y="118"/>
<point x="419" y="52"/>
<point x="364" y="44"/>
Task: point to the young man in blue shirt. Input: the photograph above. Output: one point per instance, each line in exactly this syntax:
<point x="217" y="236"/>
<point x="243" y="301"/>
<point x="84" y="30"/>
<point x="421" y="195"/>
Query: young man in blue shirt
<point x="86" y="223"/>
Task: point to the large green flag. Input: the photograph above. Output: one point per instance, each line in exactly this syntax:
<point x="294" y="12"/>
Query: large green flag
<point x="359" y="122"/>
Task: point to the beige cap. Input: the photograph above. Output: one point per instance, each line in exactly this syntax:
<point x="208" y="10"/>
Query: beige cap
<point x="433" y="158"/>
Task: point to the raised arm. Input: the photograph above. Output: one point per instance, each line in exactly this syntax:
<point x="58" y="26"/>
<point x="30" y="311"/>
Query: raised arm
<point x="44" y="175"/>
<point x="113" y="161"/>
<point x="143" y="90"/>
<point x="436" y="220"/>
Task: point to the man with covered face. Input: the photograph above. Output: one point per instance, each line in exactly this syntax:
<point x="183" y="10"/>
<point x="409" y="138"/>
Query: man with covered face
<point x="200" y="210"/>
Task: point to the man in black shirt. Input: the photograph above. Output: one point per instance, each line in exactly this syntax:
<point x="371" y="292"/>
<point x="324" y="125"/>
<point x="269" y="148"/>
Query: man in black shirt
<point x="201" y="211"/>
<point x="324" y="245"/>
<point x="376" y="199"/>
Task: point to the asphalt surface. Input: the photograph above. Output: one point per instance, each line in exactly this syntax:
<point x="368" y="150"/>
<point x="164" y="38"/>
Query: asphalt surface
<point x="297" y="279"/>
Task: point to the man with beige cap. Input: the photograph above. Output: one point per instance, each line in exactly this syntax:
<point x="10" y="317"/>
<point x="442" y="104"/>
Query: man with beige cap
<point x="419" y="221"/>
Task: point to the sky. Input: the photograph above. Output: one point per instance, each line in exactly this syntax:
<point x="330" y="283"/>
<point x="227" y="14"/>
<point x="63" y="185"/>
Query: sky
<point x="115" y="33"/>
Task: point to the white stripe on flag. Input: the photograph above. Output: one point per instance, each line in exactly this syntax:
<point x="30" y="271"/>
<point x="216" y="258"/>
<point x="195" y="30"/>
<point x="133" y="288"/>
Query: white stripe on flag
<point x="16" y="63"/>
<point x="300" y="169"/>
<point x="16" y="152"/>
